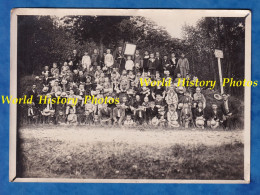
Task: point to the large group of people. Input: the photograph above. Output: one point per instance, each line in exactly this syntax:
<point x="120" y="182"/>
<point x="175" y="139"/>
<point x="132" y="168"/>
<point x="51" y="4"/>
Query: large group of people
<point x="118" y="76"/>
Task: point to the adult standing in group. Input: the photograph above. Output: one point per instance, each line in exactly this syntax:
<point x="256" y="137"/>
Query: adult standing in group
<point x="34" y="94"/>
<point x="172" y="65"/>
<point x="145" y="61"/>
<point x="183" y="64"/>
<point x="138" y="61"/>
<point x="120" y="59"/>
<point x="158" y="61"/>
<point x="230" y="111"/>
<point x="95" y="59"/>
<point x="75" y="59"/>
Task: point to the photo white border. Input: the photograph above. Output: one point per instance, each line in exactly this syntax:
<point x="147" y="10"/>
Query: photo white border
<point x="126" y="12"/>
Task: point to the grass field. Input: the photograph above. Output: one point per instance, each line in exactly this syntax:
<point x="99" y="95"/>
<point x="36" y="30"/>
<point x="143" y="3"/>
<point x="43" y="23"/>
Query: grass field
<point x="98" y="153"/>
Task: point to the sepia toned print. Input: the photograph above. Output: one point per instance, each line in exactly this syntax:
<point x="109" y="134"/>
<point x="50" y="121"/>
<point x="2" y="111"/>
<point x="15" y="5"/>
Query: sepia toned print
<point x="126" y="96"/>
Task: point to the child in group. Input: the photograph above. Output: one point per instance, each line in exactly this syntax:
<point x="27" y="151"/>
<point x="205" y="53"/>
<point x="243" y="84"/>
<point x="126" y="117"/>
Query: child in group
<point x="152" y="64"/>
<point x="98" y="72"/>
<point x="82" y="78"/>
<point x="105" y="115"/>
<point x="172" y="116"/>
<point x="199" y="115"/>
<point x="109" y="60"/>
<point x="72" y="118"/>
<point x="199" y="97"/>
<point x="115" y="76"/>
<point x="214" y="117"/>
<point x="129" y="121"/>
<point x="186" y="99"/>
<point x="86" y="62"/>
<point x="186" y="115"/>
<point x="89" y="112"/>
<point x="138" y="62"/>
<point x="61" y="118"/>
<point x="138" y="110"/>
<point x="81" y="111"/>
<point x="129" y="64"/>
<point x="31" y="114"/>
<point x="152" y="113"/>
<point x="70" y="105"/>
<point x="45" y="71"/>
<point x="177" y="79"/>
<point x="145" y="92"/>
<point x="107" y="87"/>
<point x="145" y="61"/>
<point x="171" y="97"/>
<point x="118" y="115"/>
<point x="145" y="106"/>
<point x="131" y="76"/>
<point x="54" y="69"/>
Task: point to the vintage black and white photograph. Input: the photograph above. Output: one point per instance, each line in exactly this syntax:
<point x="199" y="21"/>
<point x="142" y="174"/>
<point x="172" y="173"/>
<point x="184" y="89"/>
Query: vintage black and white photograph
<point x="118" y="95"/>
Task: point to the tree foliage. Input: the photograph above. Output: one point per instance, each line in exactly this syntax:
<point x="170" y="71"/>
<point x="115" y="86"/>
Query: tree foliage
<point x="227" y="34"/>
<point x="43" y="40"/>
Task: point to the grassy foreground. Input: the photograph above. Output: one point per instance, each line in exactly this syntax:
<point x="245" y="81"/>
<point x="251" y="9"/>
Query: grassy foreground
<point x="58" y="159"/>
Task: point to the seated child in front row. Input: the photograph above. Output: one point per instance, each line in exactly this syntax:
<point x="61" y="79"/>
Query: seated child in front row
<point x="186" y="115"/>
<point x="128" y="121"/>
<point x="215" y="117"/>
<point x="72" y="118"/>
<point x="199" y="115"/>
<point x="61" y="118"/>
<point x="172" y="116"/>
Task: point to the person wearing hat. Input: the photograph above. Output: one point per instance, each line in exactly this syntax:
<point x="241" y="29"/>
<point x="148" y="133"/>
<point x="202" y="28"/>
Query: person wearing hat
<point x="229" y="111"/>
<point x="60" y="107"/>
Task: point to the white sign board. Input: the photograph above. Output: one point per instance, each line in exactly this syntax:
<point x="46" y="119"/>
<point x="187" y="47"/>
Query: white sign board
<point x="130" y="49"/>
<point x="218" y="53"/>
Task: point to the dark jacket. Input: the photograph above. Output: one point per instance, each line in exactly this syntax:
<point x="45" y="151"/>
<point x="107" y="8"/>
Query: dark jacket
<point x="231" y="107"/>
<point x="152" y="112"/>
<point x="152" y="65"/>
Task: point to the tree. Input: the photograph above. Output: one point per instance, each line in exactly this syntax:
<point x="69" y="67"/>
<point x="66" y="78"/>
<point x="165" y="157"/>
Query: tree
<point x="227" y="34"/>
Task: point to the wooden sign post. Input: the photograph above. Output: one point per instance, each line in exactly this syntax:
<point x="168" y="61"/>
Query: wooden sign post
<point x="219" y="54"/>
